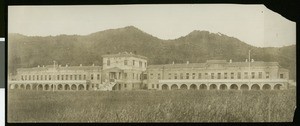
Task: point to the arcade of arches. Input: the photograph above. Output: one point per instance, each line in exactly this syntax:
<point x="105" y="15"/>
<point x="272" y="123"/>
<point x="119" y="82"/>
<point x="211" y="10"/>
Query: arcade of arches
<point x="222" y="86"/>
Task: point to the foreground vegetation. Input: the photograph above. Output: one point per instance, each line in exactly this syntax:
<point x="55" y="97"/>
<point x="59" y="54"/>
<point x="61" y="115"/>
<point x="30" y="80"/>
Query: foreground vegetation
<point x="151" y="106"/>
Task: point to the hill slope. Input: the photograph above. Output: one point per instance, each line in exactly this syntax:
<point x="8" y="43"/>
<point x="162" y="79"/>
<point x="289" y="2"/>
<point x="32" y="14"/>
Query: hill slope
<point x="198" y="46"/>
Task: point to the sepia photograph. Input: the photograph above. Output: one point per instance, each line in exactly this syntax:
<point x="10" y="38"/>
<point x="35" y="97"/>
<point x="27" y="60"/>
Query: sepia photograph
<point x="150" y="63"/>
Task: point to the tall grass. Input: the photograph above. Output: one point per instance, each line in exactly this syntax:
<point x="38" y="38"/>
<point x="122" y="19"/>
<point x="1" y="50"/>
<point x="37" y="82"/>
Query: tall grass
<point x="151" y="106"/>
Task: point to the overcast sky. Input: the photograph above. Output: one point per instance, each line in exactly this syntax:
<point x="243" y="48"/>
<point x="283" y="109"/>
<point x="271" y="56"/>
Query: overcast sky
<point x="253" y="24"/>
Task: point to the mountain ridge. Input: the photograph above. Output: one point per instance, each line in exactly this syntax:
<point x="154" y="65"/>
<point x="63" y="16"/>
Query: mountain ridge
<point x="197" y="46"/>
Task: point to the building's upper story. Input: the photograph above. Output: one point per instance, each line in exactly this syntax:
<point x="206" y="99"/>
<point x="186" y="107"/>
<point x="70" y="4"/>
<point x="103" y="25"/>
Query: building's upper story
<point x="125" y="61"/>
<point x="217" y="69"/>
<point x="58" y="72"/>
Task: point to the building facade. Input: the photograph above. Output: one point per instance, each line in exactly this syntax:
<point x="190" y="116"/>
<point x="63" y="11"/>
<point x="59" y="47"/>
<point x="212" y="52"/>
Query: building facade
<point x="128" y="71"/>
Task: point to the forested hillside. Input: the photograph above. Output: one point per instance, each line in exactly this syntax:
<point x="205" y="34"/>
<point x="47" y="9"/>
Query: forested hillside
<point x="198" y="46"/>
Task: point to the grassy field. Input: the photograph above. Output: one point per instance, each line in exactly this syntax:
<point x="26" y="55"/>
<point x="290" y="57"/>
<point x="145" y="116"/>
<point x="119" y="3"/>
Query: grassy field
<point x="151" y="106"/>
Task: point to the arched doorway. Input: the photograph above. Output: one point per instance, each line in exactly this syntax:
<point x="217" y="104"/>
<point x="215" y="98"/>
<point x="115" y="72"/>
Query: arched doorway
<point x="244" y="87"/>
<point x="203" y="87"/>
<point x="40" y="87"/>
<point x="266" y="87"/>
<point x="255" y="87"/>
<point x="193" y="86"/>
<point x="47" y="87"/>
<point x="28" y="87"/>
<point x="234" y="87"/>
<point x="81" y="87"/>
<point x="223" y="87"/>
<point x="277" y="87"/>
<point x="174" y="87"/>
<point x="67" y="87"/>
<point x="213" y="87"/>
<point x="59" y="87"/>
<point x="165" y="87"/>
<point x="16" y="86"/>
<point x="183" y="86"/>
<point x="74" y="87"/>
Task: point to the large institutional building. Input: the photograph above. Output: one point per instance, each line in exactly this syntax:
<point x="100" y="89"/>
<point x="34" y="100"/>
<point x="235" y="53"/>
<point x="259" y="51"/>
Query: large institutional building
<point x="128" y="71"/>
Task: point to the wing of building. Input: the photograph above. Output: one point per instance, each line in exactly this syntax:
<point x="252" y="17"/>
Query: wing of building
<point x="128" y="71"/>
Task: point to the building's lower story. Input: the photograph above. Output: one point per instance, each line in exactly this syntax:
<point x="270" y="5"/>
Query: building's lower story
<point x="278" y="84"/>
<point x="50" y="85"/>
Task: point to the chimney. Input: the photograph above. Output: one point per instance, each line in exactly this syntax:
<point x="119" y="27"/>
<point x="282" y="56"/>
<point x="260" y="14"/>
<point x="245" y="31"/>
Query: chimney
<point x="173" y="62"/>
<point x="252" y="60"/>
<point x="93" y="65"/>
<point x="187" y="62"/>
<point x="66" y="65"/>
<point x="230" y="61"/>
<point x="38" y="65"/>
<point x="246" y="60"/>
<point x="80" y="65"/>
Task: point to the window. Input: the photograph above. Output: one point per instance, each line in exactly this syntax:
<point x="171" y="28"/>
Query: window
<point x="75" y="77"/>
<point x="22" y="77"/>
<point x="25" y="77"/>
<point x="29" y="77"/>
<point x="206" y="75"/>
<point x="67" y="77"/>
<point x="239" y="75"/>
<point x="92" y="76"/>
<point x="137" y="76"/>
<point x="108" y="62"/>
<point x="37" y="77"/>
<point x="71" y="77"/>
<point x="33" y="77"/>
<point x="181" y="75"/>
<point x="42" y="77"/>
<point x="79" y="78"/>
<point x="125" y="85"/>
<point x="212" y="75"/>
<point x="133" y="62"/>
<point x="98" y="76"/>
<point x="49" y="77"/>
<point x="132" y="75"/>
<point x="232" y="75"/>
<point x="57" y="77"/>
<point x="84" y="77"/>
<point x="62" y="77"/>
<point x="260" y="75"/>
<point x="157" y="86"/>
<point x="267" y="75"/>
<point x="145" y="64"/>
<point x="152" y="85"/>
<point x="45" y="77"/>
<point x="125" y="62"/>
<point x="187" y="75"/>
<point x="175" y="75"/>
<point x="225" y="75"/>
<point x="252" y="75"/>
<point x="199" y="75"/>
<point x="219" y="75"/>
<point x="158" y="76"/>
<point x="170" y="75"/>
<point x="281" y="76"/>
<point x="246" y="75"/>
<point x="193" y="75"/>
<point x="145" y="76"/>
